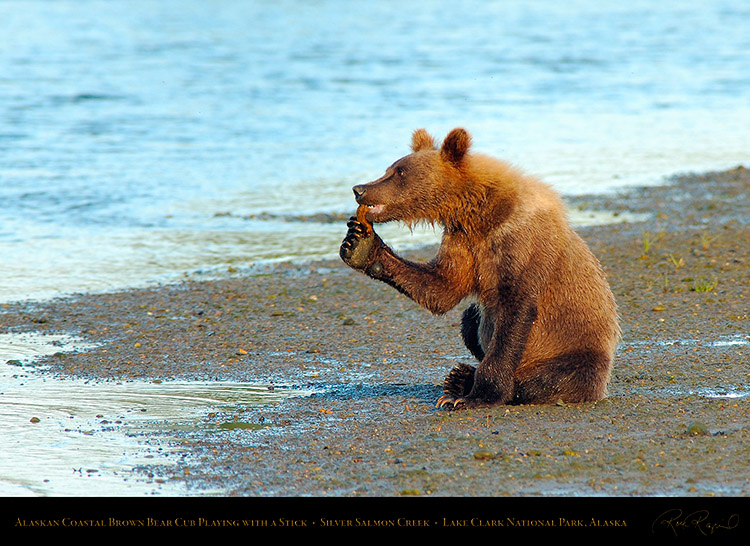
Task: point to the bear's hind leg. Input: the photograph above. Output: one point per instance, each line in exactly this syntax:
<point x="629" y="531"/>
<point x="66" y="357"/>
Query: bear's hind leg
<point x="459" y="382"/>
<point x="470" y="330"/>
<point x="576" y="377"/>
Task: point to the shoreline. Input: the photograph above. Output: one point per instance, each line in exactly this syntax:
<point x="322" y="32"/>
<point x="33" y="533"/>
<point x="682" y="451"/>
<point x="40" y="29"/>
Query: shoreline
<point x="674" y="424"/>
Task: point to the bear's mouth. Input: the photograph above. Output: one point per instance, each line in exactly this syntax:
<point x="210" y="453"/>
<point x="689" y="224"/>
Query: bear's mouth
<point x="373" y="211"/>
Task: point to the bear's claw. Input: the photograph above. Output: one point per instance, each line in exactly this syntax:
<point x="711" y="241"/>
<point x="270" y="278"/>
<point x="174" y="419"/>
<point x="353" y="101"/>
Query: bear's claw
<point x="457" y="385"/>
<point x="448" y="402"/>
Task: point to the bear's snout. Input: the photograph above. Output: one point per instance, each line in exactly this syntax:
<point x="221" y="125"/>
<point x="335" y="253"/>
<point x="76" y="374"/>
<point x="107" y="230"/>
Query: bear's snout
<point x="359" y="191"/>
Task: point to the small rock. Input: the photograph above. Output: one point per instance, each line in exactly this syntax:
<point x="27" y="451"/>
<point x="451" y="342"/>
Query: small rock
<point x="484" y="455"/>
<point x="410" y="492"/>
<point x="698" y="429"/>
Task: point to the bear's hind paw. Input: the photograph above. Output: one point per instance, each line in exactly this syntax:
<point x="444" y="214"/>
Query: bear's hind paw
<point x="459" y="381"/>
<point x="446" y="402"/>
<point x="463" y="402"/>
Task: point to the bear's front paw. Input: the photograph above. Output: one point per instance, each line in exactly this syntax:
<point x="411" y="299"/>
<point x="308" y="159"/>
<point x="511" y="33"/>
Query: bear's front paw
<point x="358" y="245"/>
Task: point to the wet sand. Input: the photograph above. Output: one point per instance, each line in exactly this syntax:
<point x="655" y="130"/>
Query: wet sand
<point x="675" y="422"/>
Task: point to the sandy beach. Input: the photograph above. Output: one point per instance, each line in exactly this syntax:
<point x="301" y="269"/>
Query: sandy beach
<point x="675" y="422"/>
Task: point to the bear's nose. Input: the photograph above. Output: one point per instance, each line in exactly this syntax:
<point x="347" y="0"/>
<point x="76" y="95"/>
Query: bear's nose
<point x="359" y="191"/>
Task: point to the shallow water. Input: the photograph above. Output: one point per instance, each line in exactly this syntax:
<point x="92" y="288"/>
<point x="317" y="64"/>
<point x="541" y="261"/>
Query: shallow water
<point x="128" y="130"/>
<point x="69" y="437"/>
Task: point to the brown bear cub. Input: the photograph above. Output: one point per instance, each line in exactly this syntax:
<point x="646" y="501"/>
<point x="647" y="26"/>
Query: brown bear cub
<point x="544" y="323"/>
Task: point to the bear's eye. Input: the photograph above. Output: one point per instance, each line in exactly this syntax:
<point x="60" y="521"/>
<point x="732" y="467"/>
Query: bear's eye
<point x="400" y="171"/>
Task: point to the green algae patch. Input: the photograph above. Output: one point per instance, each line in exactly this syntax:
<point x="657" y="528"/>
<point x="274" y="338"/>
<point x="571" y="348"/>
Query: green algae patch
<point x="239" y="425"/>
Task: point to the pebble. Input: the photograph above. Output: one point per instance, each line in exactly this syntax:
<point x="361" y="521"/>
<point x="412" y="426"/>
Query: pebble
<point x="698" y="429"/>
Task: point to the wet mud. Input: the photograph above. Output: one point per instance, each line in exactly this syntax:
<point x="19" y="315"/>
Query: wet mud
<point x="675" y="422"/>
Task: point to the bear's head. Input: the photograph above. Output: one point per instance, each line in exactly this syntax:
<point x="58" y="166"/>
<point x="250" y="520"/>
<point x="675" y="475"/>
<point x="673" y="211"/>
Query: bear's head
<point x="423" y="186"/>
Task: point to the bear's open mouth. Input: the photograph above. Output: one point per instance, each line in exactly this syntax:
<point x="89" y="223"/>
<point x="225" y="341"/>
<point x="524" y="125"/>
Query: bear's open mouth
<point x="375" y="209"/>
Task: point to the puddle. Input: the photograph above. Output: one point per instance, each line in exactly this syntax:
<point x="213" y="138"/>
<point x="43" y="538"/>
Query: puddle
<point x="70" y="437"/>
<point x="722" y="341"/>
<point x="591" y="217"/>
<point x="729" y="394"/>
<point x="722" y="393"/>
<point x="737" y="391"/>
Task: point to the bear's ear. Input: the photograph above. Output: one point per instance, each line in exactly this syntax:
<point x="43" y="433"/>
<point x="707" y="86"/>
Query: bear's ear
<point x="421" y="140"/>
<point x="455" y="146"/>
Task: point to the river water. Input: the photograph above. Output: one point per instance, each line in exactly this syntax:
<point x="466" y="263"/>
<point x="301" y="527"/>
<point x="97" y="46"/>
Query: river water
<point x="145" y="142"/>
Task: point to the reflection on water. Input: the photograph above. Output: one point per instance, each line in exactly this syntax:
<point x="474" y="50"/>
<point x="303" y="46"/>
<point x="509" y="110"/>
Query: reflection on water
<point x="72" y="437"/>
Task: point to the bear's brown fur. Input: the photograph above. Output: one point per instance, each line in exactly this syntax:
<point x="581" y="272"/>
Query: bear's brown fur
<point x="544" y="325"/>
